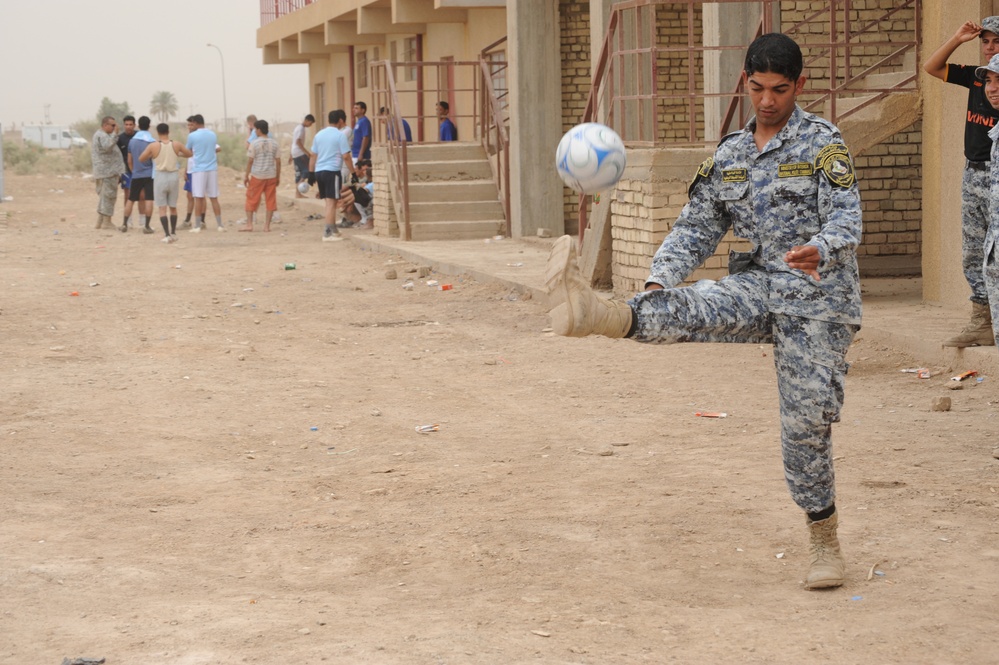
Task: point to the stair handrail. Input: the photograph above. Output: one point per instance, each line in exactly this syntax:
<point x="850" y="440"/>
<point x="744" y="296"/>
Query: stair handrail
<point x="494" y="133"/>
<point x="395" y="139"/>
<point x="614" y="49"/>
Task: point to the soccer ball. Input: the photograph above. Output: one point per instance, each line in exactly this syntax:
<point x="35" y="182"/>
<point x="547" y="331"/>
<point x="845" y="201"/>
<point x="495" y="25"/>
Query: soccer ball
<point x="303" y="187"/>
<point x="590" y="158"/>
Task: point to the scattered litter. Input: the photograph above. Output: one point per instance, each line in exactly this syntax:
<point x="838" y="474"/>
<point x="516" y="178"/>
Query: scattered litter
<point x="444" y="287"/>
<point x="924" y="374"/>
<point x="95" y="284"/>
<point x="8" y="198"/>
<point x="541" y="633"/>
<point x="871" y="572"/>
<point x="427" y="429"/>
<point x="857" y="598"/>
<point x="248" y="289"/>
<point x="710" y="414"/>
<point x="432" y="282"/>
<point x="74" y="293"/>
<point x="779" y="555"/>
<point x="979" y="379"/>
<point x="177" y="267"/>
<point x="408" y="285"/>
<point x="289" y="266"/>
<point x="516" y="265"/>
<point x="913" y="370"/>
<point x="314" y="428"/>
<point x="82" y="661"/>
<point x="966" y="375"/>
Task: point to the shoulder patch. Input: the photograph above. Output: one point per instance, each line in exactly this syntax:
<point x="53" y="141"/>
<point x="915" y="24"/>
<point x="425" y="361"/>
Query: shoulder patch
<point x="703" y="171"/>
<point x="835" y="162"/>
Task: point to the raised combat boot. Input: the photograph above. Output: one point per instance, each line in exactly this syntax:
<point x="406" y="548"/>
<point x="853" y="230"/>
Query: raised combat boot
<point x="581" y="311"/>
<point x="828" y="567"/>
<point x="978" y="332"/>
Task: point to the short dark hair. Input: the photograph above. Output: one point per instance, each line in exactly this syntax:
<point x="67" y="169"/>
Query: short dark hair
<point x="774" y="53"/>
<point x="444" y="105"/>
<point x="364" y="107"/>
<point x="363" y="162"/>
<point x="128" y="117"/>
<point x="190" y="118"/>
<point x="310" y="117"/>
<point x="336" y="115"/>
<point x="105" y="119"/>
<point x="262" y="127"/>
<point x="144" y="123"/>
<point x="162" y="128"/>
<point x="198" y="119"/>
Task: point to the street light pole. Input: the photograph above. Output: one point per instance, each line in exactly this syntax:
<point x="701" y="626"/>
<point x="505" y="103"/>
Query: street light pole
<point x="225" y="110"/>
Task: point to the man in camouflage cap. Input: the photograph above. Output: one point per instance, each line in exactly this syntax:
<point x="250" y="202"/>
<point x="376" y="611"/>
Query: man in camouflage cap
<point x="979" y="119"/>
<point x="786" y="184"/>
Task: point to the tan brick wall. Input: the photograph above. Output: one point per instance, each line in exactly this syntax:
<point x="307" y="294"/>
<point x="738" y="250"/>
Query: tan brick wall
<point x="385" y="221"/>
<point x="574" y="31"/>
<point x="890" y="180"/>
<point x="674" y="70"/>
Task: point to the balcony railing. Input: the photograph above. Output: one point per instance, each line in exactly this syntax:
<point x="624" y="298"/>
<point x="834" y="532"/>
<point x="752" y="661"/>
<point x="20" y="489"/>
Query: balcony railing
<point x="271" y="10"/>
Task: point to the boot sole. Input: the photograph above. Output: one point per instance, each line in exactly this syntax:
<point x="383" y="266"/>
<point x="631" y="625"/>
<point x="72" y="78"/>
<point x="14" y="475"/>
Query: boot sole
<point x="824" y="584"/>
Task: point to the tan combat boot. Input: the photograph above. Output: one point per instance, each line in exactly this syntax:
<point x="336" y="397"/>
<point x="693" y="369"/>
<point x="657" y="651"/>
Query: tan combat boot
<point x="978" y="332"/>
<point x="581" y="312"/>
<point x="828" y="568"/>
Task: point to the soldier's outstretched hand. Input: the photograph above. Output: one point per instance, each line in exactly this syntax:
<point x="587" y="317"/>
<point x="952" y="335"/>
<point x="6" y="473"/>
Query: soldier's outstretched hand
<point x="805" y="258"/>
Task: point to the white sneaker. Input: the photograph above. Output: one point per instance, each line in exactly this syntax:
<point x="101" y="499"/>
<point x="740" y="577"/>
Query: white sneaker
<point x="174" y="236"/>
<point x="196" y="229"/>
<point x="333" y="237"/>
<point x="168" y="239"/>
<point x="220" y="229"/>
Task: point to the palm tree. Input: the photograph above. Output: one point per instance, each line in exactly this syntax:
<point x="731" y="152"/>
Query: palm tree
<point x="163" y="105"/>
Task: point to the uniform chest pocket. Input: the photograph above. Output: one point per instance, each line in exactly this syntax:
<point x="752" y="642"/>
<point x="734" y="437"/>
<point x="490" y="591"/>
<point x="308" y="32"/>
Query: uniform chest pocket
<point x="800" y="191"/>
<point x="733" y="191"/>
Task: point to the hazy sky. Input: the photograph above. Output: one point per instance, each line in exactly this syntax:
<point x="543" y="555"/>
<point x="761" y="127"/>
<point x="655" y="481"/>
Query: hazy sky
<point x="70" y="54"/>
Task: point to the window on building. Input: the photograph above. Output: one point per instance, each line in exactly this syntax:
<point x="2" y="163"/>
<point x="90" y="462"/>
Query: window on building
<point x="409" y="55"/>
<point x="362" y="69"/>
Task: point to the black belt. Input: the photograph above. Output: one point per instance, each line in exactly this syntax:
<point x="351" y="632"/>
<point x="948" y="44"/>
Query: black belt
<point x="978" y="166"/>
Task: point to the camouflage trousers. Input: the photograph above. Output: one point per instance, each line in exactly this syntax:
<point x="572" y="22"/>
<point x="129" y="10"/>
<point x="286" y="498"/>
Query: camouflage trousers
<point x="974" y="224"/>
<point x="991" y="274"/>
<point x="809" y="355"/>
<point x="107" y="194"/>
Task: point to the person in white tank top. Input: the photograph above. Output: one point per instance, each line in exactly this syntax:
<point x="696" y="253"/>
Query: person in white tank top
<point x="166" y="178"/>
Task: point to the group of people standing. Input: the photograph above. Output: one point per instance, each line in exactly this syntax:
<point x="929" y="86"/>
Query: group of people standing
<point x="147" y="169"/>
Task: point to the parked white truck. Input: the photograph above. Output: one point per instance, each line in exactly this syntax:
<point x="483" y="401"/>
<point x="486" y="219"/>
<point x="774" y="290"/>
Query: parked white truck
<point x="53" y="136"/>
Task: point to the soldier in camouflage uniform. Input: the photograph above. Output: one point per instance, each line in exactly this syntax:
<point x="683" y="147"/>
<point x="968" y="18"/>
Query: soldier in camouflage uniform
<point x="979" y="119"/>
<point x="108" y="167"/>
<point x="786" y="183"/>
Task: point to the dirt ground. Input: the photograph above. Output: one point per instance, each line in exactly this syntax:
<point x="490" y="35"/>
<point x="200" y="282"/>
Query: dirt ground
<point x="205" y="458"/>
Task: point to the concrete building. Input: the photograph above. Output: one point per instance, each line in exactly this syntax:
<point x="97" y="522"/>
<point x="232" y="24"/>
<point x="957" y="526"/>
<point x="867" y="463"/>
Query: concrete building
<point x="666" y="84"/>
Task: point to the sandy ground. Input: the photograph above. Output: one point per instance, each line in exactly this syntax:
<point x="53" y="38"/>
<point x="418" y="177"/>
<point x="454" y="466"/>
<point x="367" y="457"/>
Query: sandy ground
<point x="205" y="458"/>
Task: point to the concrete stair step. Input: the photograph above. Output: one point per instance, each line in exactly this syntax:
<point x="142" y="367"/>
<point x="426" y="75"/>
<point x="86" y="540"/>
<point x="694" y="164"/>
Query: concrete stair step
<point x="444" y="152"/>
<point x="458" y="230"/>
<point x="450" y="191"/>
<point x="449" y="170"/>
<point x="886" y="80"/>
<point x="447" y="210"/>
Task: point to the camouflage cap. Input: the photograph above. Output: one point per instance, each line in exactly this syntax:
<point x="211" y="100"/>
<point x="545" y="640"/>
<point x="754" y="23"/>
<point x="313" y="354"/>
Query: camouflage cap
<point x="993" y="67"/>
<point x="991" y="24"/>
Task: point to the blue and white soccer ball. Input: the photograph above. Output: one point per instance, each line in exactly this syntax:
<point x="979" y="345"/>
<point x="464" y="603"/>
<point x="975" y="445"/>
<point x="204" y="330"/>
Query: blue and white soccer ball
<point x="590" y="158"/>
<point x="303" y="187"/>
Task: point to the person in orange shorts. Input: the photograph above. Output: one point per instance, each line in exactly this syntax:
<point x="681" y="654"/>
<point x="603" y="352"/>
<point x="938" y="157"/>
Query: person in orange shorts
<point x="263" y="175"/>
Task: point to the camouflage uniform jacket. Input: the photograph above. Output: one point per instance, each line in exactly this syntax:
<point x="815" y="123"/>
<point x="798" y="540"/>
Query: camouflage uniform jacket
<point x="992" y="236"/>
<point x="106" y="156"/>
<point x="799" y="190"/>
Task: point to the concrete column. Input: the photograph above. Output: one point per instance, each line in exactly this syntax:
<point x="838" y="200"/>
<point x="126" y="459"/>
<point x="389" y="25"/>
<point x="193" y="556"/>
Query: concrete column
<point x="729" y="24"/>
<point x="535" y="119"/>
<point x="944" y="108"/>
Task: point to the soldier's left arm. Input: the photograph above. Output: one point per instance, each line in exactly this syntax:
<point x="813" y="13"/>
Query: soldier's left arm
<point x="840" y="224"/>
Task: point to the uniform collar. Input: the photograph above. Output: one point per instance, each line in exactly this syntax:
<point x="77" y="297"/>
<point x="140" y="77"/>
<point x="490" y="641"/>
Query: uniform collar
<point x="787" y="132"/>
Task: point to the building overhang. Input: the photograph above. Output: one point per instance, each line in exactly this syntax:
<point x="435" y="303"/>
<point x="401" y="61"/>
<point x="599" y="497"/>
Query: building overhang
<point x="333" y="26"/>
